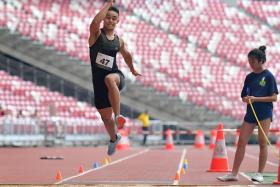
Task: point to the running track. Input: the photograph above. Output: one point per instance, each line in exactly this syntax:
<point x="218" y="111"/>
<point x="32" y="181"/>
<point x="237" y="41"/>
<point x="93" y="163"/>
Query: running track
<point x="141" y="165"/>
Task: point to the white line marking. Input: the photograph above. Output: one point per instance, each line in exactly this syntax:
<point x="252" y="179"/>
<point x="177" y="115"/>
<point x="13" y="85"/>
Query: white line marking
<point x="255" y="158"/>
<point x="246" y="177"/>
<point x="119" y="182"/>
<point x="104" y="166"/>
<point x="176" y="182"/>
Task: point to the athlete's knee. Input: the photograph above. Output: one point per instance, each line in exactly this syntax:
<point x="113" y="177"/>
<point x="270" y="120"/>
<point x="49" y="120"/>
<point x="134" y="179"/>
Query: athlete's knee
<point x="109" y="81"/>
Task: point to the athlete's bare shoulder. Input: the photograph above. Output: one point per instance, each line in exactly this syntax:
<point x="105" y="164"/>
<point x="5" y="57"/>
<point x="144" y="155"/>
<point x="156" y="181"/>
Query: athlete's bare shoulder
<point x="93" y="37"/>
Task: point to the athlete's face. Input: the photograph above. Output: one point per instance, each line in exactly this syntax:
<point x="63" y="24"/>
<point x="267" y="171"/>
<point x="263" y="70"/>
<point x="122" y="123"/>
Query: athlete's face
<point x="254" y="63"/>
<point x="111" y="20"/>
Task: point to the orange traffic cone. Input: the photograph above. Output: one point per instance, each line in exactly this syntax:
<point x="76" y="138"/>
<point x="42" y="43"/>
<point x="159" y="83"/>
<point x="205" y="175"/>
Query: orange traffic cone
<point x="220" y="160"/>
<point x="212" y="139"/>
<point x="81" y="169"/>
<point x="124" y="142"/>
<point x="199" y="141"/>
<point x="169" y="140"/>
<point x="278" y="141"/>
<point x="236" y="137"/>
<point x="278" y="178"/>
<point x="58" y="176"/>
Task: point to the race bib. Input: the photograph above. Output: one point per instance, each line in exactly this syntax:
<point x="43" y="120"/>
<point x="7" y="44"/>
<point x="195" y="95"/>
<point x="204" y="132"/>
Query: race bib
<point x="104" y="61"/>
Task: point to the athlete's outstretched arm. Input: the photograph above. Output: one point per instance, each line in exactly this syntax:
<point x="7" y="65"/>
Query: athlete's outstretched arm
<point x="95" y="24"/>
<point x="94" y="27"/>
<point x="128" y="58"/>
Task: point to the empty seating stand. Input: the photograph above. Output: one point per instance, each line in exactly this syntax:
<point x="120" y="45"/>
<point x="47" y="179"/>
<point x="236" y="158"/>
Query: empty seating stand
<point x="193" y="50"/>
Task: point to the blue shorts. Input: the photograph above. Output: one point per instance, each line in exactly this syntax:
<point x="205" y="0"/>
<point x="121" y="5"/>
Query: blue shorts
<point x="262" y="115"/>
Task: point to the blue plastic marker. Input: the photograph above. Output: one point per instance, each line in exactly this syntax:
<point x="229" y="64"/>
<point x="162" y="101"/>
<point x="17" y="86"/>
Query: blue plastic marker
<point x="95" y="165"/>
<point x="185" y="165"/>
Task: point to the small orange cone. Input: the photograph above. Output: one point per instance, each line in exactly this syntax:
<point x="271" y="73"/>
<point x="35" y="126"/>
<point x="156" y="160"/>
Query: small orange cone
<point x="237" y="137"/>
<point x="177" y="176"/>
<point x="182" y="172"/>
<point x="278" y="177"/>
<point x="58" y="176"/>
<point x="81" y="169"/>
<point x="199" y="141"/>
<point x="124" y="142"/>
<point x="219" y="160"/>
<point x="169" y="140"/>
<point x="212" y="139"/>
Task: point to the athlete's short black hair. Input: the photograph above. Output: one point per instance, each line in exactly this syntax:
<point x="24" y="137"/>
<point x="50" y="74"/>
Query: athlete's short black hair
<point x="259" y="54"/>
<point x="115" y="9"/>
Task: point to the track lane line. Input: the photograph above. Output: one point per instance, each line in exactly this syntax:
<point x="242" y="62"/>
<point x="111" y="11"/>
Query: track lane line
<point x="255" y="158"/>
<point x="247" y="177"/>
<point x="116" y="182"/>
<point x="176" y="182"/>
<point x="104" y="166"/>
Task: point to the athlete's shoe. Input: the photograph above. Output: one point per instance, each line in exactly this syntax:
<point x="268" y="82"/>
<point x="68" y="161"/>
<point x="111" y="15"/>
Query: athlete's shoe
<point x="112" y="145"/>
<point x="120" y="121"/>
<point x="228" y="177"/>
<point x="257" y="177"/>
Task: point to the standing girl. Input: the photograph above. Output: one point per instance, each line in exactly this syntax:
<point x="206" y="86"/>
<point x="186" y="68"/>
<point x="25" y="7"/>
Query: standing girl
<point x="260" y="87"/>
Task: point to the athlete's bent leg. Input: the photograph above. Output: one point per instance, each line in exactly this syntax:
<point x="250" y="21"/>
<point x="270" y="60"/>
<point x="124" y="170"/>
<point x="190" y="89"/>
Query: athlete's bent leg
<point x="106" y="116"/>
<point x="112" y="81"/>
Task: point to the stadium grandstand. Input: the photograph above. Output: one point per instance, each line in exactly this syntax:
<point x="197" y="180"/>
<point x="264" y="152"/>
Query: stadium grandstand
<point x="192" y="55"/>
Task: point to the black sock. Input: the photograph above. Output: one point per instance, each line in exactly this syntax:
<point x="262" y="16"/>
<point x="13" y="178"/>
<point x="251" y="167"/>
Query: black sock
<point x="115" y="140"/>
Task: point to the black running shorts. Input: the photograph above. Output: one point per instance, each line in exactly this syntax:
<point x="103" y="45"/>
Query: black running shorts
<point x="101" y="98"/>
